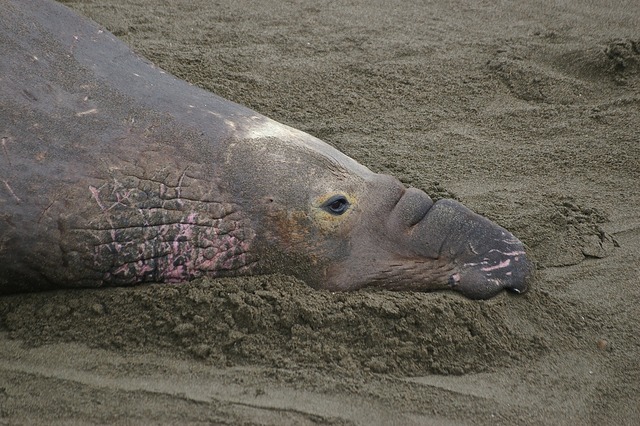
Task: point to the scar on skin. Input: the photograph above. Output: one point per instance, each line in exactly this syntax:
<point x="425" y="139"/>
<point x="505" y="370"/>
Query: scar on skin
<point x="95" y="192"/>
<point x="4" y="149"/>
<point x="13" y="194"/>
<point x="44" y="211"/>
<point x="500" y="265"/>
<point x="83" y="113"/>
<point x="73" y="44"/>
<point x="179" y="187"/>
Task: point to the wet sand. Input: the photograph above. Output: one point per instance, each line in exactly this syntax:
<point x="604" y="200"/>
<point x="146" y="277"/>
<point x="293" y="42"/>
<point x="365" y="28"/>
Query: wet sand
<point x="527" y="112"/>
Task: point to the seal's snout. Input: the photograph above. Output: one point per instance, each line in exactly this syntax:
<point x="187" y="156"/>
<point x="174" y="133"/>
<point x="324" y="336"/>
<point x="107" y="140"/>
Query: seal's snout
<point x="487" y="257"/>
<point x="483" y="258"/>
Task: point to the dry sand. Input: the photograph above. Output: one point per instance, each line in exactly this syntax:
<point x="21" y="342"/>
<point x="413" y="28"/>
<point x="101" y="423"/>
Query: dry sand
<point x="526" y="111"/>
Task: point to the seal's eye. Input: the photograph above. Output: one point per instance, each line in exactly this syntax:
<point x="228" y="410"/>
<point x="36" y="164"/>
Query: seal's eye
<point x="336" y="205"/>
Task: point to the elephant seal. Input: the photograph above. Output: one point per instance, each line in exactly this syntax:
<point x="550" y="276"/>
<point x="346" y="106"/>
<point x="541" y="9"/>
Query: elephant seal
<point x="114" y="172"/>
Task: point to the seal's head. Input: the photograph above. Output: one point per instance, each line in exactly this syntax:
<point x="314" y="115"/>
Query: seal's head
<point x="339" y="226"/>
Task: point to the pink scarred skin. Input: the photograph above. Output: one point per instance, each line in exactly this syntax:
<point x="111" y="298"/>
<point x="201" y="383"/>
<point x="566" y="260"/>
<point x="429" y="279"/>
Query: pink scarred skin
<point x="114" y="172"/>
<point x="189" y="248"/>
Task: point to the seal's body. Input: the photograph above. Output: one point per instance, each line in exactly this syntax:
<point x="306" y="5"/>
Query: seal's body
<point x="114" y="172"/>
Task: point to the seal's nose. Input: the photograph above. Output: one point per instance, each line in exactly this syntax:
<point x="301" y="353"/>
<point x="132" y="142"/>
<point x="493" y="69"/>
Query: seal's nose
<point x="485" y="257"/>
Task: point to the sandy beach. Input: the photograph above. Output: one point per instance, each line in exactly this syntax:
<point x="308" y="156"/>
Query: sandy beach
<point x="527" y="112"/>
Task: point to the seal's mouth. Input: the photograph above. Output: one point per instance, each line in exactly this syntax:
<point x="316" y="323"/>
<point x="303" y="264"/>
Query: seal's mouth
<point x="485" y="257"/>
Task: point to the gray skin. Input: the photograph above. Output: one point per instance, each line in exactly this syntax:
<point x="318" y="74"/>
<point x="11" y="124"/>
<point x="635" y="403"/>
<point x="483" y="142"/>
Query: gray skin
<point x="114" y="172"/>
